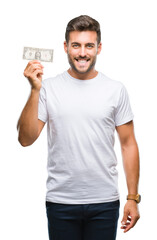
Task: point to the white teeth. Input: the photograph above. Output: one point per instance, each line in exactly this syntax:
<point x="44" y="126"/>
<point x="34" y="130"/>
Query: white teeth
<point x="82" y="61"/>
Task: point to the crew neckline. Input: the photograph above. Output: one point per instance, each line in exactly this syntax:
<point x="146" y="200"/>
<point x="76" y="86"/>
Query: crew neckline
<point x="83" y="82"/>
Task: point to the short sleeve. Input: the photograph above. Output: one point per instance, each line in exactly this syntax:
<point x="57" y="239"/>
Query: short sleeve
<point x="42" y="106"/>
<point x="123" y="112"/>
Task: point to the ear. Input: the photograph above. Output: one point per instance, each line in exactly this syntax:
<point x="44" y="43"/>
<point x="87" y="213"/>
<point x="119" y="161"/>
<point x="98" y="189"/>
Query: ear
<point x="65" y="47"/>
<point x="99" y="48"/>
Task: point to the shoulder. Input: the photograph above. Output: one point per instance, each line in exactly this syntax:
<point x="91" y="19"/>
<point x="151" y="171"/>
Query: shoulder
<point x="112" y="84"/>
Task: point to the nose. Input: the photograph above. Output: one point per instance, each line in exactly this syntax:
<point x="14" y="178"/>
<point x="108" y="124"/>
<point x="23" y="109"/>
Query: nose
<point x="82" y="51"/>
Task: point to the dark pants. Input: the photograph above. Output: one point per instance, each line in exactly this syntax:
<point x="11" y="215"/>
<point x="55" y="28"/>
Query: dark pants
<point x="96" y="221"/>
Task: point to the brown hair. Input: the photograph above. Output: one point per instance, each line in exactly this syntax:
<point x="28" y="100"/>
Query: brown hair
<point x="83" y="23"/>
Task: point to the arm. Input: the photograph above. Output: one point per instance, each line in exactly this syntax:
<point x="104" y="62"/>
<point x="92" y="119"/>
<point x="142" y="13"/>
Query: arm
<point x="130" y="155"/>
<point x="29" y="127"/>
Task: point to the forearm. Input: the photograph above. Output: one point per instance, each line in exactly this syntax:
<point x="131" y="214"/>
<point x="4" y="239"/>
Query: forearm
<point x="131" y="164"/>
<point x="28" y="122"/>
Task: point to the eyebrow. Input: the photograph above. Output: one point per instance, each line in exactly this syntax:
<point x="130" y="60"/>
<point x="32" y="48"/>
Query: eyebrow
<point x="73" y="43"/>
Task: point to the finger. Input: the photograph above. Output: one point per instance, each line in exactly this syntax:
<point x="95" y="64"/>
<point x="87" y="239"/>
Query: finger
<point x="38" y="71"/>
<point x="128" y="219"/>
<point x="131" y="224"/>
<point x="35" y="75"/>
<point x="127" y="229"/>
<point x="128" y="223"/>
<point x="125" y="218"/>
<point x="125" y="221"/>
<point x="34" y="62"/>
<point x="30" y="69"/>
<point x="125" y="226"/>
<point x="34" y="66"/>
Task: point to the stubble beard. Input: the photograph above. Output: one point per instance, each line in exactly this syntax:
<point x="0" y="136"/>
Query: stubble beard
<point x="91" y="66"/>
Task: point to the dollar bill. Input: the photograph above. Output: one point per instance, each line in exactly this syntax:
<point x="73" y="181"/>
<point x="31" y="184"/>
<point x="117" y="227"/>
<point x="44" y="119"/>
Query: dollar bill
<point x="41" y="54"/>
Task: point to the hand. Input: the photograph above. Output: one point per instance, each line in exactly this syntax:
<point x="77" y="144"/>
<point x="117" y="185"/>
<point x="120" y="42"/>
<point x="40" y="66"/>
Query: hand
<point x="131" y="215"/>
<point x="34" y="72"/>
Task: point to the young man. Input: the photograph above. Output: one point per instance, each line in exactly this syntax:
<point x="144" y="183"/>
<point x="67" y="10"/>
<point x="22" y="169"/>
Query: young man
<point x="82" y="108"/>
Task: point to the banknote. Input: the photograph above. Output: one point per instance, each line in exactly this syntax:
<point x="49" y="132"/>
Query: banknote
<point x="41" y="54"/>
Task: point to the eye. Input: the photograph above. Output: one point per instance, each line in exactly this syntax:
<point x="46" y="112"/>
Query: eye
<point x="75" y="45"/>
<point x="90" y="46"/>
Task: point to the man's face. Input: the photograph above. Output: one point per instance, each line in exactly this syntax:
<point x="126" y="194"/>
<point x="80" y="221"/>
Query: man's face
<point x="82" y="50"/>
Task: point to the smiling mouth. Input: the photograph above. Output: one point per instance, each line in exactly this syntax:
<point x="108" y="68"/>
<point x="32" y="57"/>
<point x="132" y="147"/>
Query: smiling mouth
<point x="82" y="60"/>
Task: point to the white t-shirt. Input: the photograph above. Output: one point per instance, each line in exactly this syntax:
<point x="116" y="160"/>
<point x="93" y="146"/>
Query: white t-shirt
<point x="81" y="116"/>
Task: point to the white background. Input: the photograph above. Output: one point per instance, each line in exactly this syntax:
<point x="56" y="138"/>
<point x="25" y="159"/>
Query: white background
<point x="129" y="55"/>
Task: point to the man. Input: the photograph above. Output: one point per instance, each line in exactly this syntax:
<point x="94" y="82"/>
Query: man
<point x="82" y="108"/>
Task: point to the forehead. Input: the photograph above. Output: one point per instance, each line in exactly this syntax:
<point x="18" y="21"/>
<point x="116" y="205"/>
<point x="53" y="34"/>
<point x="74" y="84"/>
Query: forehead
<point x="83" y="36"/>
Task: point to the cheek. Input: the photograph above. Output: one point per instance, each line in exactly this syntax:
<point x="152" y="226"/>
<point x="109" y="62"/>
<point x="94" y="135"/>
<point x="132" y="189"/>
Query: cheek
<point x="73" y="55"/>
<point x="93" y="54"/>
<point x="73" y="52"/>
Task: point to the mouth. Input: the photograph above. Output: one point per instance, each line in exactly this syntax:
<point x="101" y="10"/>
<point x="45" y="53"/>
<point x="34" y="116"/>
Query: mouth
<point x="82" y="62"/>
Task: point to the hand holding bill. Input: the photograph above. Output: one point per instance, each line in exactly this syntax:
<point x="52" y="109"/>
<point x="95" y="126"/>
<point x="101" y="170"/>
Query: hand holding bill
<point x="34" y="72"/>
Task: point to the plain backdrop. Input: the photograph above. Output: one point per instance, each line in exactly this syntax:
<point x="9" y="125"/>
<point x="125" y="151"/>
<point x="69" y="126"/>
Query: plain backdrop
<point x="129" y="55"/>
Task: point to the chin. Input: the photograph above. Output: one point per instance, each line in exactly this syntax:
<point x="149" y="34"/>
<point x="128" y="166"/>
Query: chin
<point x="82" y="71"/>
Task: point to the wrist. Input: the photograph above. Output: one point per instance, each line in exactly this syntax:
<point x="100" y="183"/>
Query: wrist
<point x="35" y="90"/>
<point x="131" y="201"/>
<point x="134" y="197"/>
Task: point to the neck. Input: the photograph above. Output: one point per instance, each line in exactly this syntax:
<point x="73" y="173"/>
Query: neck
<point x="83" y="76"/>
